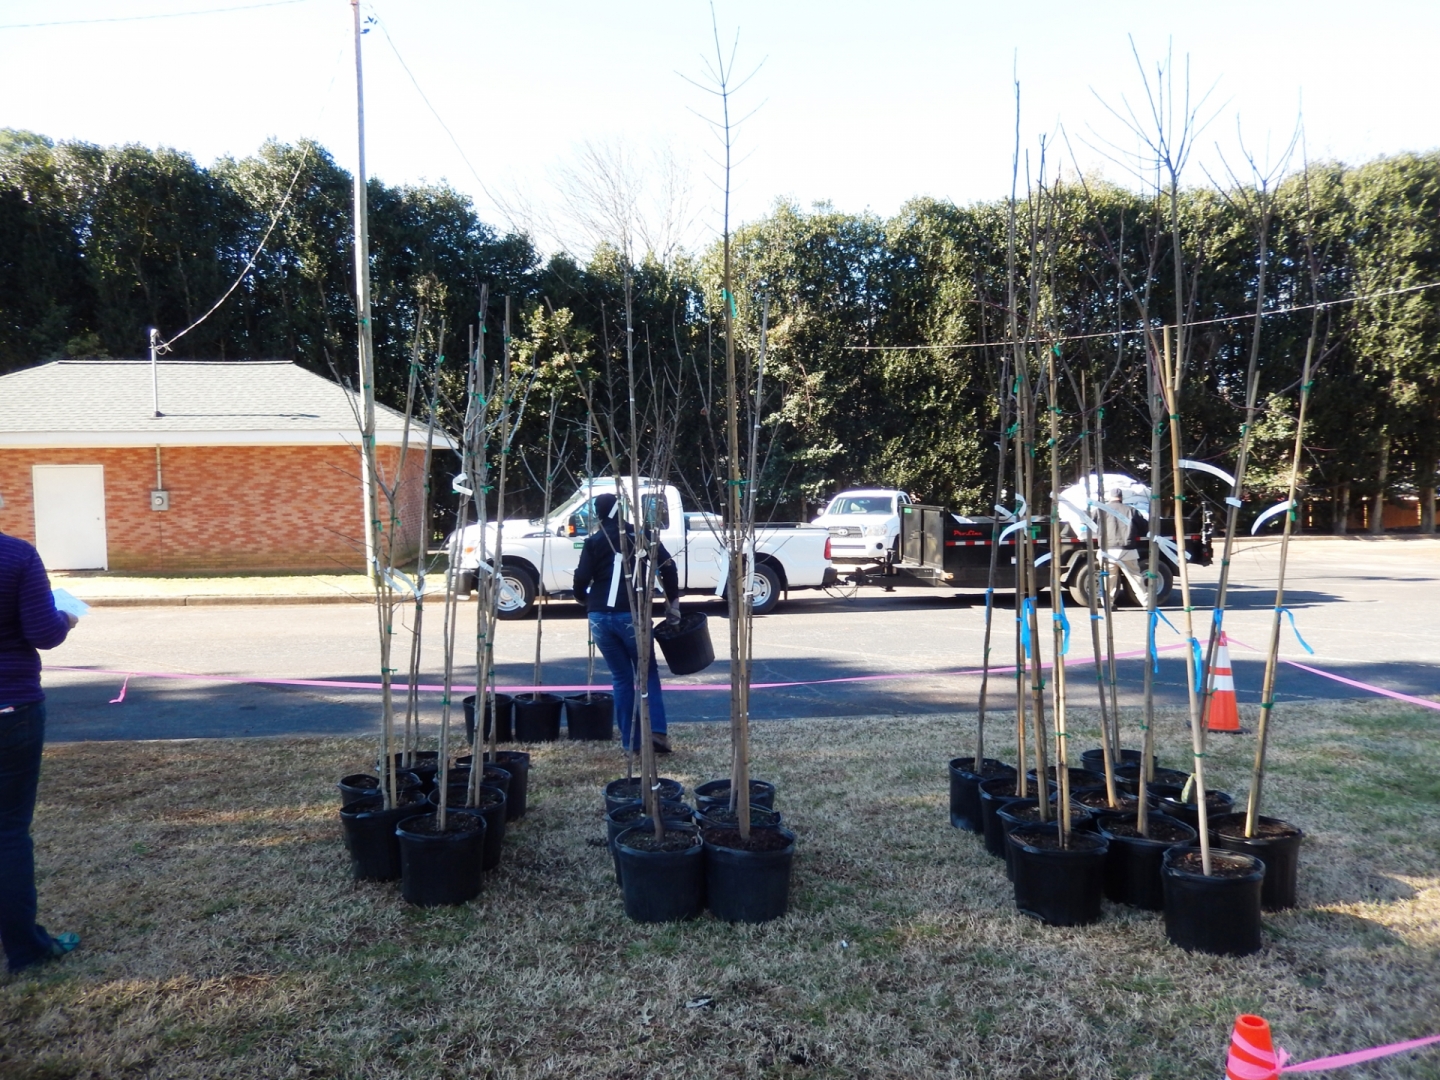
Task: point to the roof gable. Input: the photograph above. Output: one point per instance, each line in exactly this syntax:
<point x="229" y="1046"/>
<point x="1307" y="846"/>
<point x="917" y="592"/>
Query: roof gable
<point x="111" y="402"/>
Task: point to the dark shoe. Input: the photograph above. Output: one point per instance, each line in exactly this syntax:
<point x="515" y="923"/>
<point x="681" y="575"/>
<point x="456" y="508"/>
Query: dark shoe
<point x="661" y="743"/>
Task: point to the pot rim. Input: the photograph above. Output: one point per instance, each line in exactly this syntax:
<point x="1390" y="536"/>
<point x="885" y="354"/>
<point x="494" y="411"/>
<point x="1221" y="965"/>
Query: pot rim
<point x="1262" y="841"/>
<point x="445" y="838"/>
<point x="788" y="849"/>
<point x="1093" y="842"/>
<point x="688" y="830"/>
<point x="1146" y="840"/>
<point x="1256" y="872"/>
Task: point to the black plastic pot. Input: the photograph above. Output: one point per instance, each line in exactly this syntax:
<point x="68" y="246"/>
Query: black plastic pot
<point x="590" y="716"/>
<point x="627" y="790"/>
<point x="359" y="786"/>
<point x="492" y="809"/>
<point x="1280" y="854"/>
<point x="661" y="886"/>
<point x="517" y="764"/>
<point x="370" y="835"/>
<point x="495" y="776"/>
<point x="537" y="717"/>
<point x="722" y="817"/>
<point x="1219" y="915"/>
<point x="1094" y="760"/>
<point x="686" y="645"/>
<point x="994" y="794"/>
<point x="503" y="704"/>
<point x="1127" y="776"/>
<point x="1007" y="816"/>
<point x="441" y="868"/>
<point x="717" y="793"/>
<point x="1132" y="868"/>
<point x="1079" y="778"/>
<point x="965" y="790"/>
<point x="423" y="764"/>
<point x="1023" y="812"/>
<point x="632" y="815"/>
<point x="1217" y="803"/>
<point x="749" y="885"/>
<point x="1060" y="887"/>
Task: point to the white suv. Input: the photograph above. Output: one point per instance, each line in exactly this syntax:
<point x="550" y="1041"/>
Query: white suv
<point x="864" y="524"/>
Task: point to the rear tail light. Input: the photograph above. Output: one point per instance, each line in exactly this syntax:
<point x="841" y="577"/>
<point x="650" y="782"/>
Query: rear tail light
<point x="827" y="547"/>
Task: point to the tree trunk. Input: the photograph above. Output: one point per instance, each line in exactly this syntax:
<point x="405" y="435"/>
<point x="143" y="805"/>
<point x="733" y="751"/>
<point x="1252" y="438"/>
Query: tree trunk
<point x="1382" y="480"/>
<point x="1427" y="508"/>
<point x="1341" y="525"/>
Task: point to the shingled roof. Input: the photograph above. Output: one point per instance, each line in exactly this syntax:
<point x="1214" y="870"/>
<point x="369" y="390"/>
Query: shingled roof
<point x="210" y="403"/>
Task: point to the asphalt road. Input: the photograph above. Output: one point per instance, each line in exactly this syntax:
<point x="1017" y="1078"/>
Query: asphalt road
<point x="1370" y="610"/>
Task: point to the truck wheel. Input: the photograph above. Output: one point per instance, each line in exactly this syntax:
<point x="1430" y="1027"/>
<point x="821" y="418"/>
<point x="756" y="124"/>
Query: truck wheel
<point x="517" y="592"/>
<point x="1080" y="584"/>
<point x="767" y="589"/>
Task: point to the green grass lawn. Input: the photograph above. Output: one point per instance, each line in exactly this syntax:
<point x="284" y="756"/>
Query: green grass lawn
<point x="223" y="937"/>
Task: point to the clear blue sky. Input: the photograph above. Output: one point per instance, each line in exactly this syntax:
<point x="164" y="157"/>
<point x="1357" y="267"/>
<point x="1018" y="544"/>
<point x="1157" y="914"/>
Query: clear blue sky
<point x="864" y="105"/>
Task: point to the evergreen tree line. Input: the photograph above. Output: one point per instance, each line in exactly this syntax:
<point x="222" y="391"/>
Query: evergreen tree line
<point x="885" y="336"/>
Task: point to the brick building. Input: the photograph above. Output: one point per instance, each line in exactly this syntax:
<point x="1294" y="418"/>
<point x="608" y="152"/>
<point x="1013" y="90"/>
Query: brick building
<point x="249" y="466"/>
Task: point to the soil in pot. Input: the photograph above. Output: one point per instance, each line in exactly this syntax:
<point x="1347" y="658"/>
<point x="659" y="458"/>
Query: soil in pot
<point x="1079" y="778"/>
<point x="590" y="717"/>
<point x="673" y="814"/>
<point x="965" y="790"/>
<point x="722" y="817"/>
<point x="661" y="880"/>
<point x="1128" y="777"/>
<point x="1097" y="801"/>
<point x="503" y="704"/>
<point x="619" y="792"/>
<point x="495" y="776"/>
<point x="993" y="795"/>
<point x="537" y="717"/>
<point x="1218" y="914"/>
<point x="717" y="792"/>
<point x="1217" y="804"/>
<point x="441" y="867"/>
<point x="1276" y="843"/>
<point x="517" y="764"/>
<point x="748" y="880"/>
<point x="370" y="834"/>
<point x="1094" y="760"/>
<point x="1060" y="886"/>
<point x="423" y="764"/>
<point x="359" y="786"/>
<point x="1132" y="868"/>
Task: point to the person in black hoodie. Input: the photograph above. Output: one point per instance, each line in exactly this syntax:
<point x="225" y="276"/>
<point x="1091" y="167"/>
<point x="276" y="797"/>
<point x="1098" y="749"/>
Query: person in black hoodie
<point x="604" y="581"/>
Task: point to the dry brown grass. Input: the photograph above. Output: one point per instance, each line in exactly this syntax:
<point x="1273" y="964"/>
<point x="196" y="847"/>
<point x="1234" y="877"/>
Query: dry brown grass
<point x="224" y="939"/>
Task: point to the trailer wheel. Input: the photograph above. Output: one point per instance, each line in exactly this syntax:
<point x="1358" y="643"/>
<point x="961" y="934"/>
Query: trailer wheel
<point x="1167" y="586"/>
<point x="1080" y="584"/>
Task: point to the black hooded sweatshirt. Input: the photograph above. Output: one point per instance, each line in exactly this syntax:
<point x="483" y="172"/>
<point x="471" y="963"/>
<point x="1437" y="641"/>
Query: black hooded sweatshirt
<point x="595" y="574"/>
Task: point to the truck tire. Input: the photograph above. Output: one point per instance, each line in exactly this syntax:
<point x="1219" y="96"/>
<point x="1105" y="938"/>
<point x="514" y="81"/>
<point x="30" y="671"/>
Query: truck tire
<point x="517" y="598"/>
<point x="767" y="589"/>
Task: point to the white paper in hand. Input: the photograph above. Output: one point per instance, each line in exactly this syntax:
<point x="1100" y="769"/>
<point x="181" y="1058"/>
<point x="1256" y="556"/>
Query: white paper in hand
<point x="69" y="603"/>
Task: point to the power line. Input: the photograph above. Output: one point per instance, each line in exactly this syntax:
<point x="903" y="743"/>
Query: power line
<point x="1112" y="334"/>
<point x="147" y="18"/>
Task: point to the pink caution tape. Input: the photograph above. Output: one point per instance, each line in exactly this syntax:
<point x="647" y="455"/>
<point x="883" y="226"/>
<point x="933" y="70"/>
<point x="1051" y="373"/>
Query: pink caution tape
<point x="577" y="688"/>
<point x="1340" y="1061"/>
<point x="1368" y="687"/>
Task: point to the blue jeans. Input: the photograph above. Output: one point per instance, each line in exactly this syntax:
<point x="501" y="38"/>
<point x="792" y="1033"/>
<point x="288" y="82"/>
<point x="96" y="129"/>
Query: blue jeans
<point x="22" y="737"/>
<point x="614" y="635"/>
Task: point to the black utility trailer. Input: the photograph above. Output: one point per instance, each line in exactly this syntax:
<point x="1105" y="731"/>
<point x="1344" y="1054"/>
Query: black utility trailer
<point x="952" y="551"/>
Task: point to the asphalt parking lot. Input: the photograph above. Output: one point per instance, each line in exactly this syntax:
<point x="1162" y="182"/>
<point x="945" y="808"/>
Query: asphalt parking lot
<point x="1369" y="609"/>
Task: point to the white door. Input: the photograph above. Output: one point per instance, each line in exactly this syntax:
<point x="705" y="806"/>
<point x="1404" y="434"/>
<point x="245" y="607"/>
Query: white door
<point x="70" y="516"/>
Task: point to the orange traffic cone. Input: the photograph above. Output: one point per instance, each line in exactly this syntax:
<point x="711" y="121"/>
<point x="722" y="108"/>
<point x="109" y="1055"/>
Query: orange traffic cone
<point x="1224" y="713"/>
<point x="1252" y="1054"/>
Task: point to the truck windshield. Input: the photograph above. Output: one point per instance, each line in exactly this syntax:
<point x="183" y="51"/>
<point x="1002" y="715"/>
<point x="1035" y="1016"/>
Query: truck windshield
<point x="862" y="504"/>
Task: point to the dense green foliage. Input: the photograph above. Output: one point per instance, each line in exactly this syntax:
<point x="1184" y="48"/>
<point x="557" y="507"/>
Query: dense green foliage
<point x="97" y="244"/>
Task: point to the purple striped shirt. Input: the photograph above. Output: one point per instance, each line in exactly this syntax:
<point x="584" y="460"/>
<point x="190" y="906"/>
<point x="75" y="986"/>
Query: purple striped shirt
<point x="28" y="621"/>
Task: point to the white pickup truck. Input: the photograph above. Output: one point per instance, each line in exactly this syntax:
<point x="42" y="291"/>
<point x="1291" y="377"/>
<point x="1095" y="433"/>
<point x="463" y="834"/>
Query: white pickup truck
<point x="787" y="556"/>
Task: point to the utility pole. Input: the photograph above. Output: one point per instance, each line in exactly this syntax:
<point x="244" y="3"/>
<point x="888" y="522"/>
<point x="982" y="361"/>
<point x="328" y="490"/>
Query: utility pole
<point x="362" y="313"/>
<point x="154" y="370"/>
